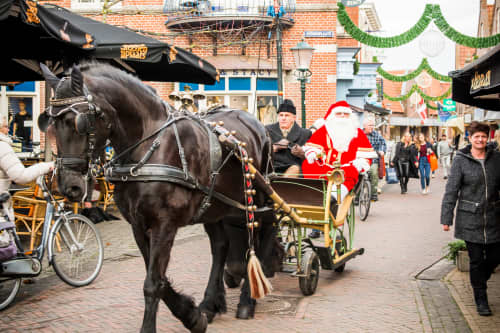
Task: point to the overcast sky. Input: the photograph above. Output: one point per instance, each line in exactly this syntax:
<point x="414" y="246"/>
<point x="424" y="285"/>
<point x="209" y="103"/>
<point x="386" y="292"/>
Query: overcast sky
<point x="397" y="16"/>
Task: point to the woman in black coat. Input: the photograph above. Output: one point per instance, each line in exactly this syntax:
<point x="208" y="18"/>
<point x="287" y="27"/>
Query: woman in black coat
<point x="405" y="161"/>
<point x="474" y="183"/>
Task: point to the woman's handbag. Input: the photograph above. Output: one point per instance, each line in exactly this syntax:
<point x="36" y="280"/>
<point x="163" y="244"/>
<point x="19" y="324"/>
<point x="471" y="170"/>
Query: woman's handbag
<point x="433" y="161"/>
<point x="390" y="176"/>
<point x="381" y="167"/>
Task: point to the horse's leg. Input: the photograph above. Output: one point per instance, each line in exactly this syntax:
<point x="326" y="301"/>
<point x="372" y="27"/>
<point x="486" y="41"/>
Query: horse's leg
<point x="154" y="272"/>
<point x="157" y="286"/>
<point x="246" y="306"/>
<point x="214" y="300"/>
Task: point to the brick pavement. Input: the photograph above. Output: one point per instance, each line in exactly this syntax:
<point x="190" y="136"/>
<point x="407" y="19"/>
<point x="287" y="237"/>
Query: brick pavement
<point x="376" y="293"/>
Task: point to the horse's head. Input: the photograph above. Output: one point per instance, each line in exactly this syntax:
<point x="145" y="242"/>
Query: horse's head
<point x="81" y="128"/>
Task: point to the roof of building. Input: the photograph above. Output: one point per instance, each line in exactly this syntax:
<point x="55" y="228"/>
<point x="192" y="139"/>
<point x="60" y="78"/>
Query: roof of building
<point x="393" y="89"/>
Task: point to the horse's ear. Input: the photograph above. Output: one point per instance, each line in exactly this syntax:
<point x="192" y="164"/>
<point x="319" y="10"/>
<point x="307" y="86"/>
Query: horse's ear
<point x="50" y="77"/>
<point x="76" y="81"/>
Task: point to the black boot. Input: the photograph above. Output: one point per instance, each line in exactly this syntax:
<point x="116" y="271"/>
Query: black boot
<point x="402" y="185"/>
<point x="482" y="306"/>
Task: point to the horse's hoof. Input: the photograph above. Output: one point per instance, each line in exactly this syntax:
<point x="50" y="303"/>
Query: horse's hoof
<point x="201" y="325"/>
<point x="245" y="312"/>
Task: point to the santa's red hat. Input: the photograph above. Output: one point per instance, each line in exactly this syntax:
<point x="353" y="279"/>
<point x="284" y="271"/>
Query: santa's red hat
<point x="339" y="107"/>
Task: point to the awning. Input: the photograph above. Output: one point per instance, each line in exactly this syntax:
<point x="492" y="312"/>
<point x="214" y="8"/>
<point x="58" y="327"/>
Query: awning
<point x="34" y="33"/>
<point x="377" y="110"/>
<point x="478" y="83"/>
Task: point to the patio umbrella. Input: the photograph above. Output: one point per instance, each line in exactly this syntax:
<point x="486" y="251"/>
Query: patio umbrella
<point x="51" y="34"/>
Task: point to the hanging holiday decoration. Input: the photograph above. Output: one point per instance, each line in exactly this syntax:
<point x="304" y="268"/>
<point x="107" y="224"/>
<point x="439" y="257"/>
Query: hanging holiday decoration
<point x="430" y="106"/>
<point x="424" y="80"/>
<point x="431" y="13"/>
<point x="416" y="88"/>
<point x="431" y="43"/>
<point x="424" y="65"/>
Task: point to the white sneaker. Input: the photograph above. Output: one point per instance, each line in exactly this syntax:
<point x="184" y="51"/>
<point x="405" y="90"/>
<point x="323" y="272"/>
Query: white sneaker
<point x="423" y="191"/>
<point x="427" y="190"/>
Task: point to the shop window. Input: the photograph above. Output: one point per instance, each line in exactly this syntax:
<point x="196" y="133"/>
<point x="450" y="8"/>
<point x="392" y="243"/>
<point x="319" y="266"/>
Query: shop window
<point x="267" y="109"/>
<point x="25" y="86"/>
<point x="239" y="83"/>
<point x="238" y="102"/>
<point x="214" y="100"/>
<point x="218" y="86"/>
<point x="21" y="122"/>
<point x="267" y="84"/>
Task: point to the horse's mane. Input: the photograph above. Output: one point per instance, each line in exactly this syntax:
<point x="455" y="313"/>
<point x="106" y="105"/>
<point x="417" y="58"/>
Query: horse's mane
<point x="94" y="68"/>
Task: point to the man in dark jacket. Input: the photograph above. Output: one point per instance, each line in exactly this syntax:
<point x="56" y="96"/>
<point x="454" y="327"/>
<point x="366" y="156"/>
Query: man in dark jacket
<point x="474" y="183"/>
<point x="287" y="138"/>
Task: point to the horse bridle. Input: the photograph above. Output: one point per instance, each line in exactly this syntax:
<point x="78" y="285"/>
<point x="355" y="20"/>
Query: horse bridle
<point x="84" y="125"/>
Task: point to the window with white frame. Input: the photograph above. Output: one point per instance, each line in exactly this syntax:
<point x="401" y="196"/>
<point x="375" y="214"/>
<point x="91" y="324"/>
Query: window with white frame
<point x="254" y="94"/>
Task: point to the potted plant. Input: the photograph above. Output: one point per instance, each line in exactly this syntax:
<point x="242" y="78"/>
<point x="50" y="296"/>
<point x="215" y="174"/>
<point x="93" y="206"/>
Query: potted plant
<point x="457" y="252"/>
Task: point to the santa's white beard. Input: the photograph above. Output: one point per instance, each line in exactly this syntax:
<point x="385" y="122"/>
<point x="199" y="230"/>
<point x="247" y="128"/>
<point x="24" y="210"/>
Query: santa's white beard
<point x="342" y="131"/>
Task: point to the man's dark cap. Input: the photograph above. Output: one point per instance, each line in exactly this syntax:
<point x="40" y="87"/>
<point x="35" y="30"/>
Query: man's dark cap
<point x="287" y="106"/>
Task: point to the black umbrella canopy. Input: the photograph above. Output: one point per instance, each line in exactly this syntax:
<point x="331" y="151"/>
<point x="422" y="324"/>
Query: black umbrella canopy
<point x="48" y="33"/>
<point x="478" y="83"/>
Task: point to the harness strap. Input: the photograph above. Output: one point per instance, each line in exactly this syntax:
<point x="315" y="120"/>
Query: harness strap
<point x="181" y="153"/>
<point x="166" y="173"/>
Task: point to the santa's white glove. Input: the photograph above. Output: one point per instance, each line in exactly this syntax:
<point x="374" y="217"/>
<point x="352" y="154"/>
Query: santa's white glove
<point x="361" y="164"/>
<point x="311" y="157"/>
<point x="311" y="153"/>
<point x="343" y="192"/>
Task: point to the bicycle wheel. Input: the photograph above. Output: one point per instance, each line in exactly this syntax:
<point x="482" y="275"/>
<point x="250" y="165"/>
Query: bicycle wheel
<point x="77" y="264"/>
<point x="8" y="291"/>
<point x="364" y="200"/>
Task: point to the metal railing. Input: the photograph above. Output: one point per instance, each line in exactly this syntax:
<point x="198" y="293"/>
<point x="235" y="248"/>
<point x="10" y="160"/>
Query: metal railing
<point x="227" y="8"/>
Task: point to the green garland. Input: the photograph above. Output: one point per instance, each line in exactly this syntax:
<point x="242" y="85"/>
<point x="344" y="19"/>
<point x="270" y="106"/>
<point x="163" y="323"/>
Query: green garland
<point x="431" y="12"/>
<point x="416" y="88"/>
<point x="424" y="65"/>
<point x="457" y="37"/>
<point x="384" y="42"/>
<point x="430" y="106"/>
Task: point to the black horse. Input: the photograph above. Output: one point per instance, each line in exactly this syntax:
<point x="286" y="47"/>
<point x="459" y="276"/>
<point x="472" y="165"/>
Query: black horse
<point x="99" y="103"/>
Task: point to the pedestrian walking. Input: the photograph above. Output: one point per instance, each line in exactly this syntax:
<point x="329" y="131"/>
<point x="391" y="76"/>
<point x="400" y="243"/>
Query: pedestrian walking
<point x="434" y="144"/>
<point x="474" y="183"/>
<point x="444" y="151"/>
<point x="380" y="147"/>
<point x="405" y="161"/>
<point x="424" y="166"/>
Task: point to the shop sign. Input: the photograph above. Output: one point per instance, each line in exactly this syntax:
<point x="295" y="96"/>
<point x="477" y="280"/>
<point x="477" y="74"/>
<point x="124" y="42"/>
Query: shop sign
<point x="318" y="34"/>
<point x="352" y="3"/>
<point x="480" y="80"/>
<point x="248" y="72"/>
<point x="449" y="105"/>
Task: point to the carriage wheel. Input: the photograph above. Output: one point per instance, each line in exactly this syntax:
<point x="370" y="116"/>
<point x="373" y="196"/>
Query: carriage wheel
<point x="310" y="265"/>
<point x="340" y="247"/>
<point x="364" y="200"/>
<point x="8" y="291"/>
<point x="231" y="281"/>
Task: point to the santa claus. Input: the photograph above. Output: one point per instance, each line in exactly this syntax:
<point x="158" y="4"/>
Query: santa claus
<point x="341" y="137"/>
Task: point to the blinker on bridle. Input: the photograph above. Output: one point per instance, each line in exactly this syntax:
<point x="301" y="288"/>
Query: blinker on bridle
<point x="84" y="125"/>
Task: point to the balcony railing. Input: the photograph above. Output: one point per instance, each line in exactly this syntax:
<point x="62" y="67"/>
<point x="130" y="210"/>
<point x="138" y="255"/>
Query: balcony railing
<point x="215" y="8"/>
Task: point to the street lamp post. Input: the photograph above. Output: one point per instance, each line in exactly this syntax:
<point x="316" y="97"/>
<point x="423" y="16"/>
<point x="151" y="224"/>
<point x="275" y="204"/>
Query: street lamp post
<point x="302" y="54"/>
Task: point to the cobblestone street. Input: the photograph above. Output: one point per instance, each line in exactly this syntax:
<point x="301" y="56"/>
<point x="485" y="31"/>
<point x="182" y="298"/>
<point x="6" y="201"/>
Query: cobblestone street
<point x="376" y="293"/>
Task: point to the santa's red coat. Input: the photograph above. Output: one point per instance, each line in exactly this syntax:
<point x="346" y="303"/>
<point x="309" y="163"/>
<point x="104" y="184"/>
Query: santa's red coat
<point x="359" y="147"/>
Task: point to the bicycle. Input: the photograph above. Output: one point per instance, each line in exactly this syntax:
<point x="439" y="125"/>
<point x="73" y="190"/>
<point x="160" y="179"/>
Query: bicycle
<point x="73" y="243"/>
<point x="364" y="195"/>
